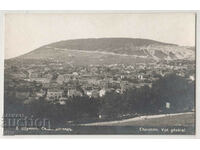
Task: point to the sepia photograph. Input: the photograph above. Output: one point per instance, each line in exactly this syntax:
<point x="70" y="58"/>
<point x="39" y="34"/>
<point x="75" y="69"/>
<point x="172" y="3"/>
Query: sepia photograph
<point x="99" y="73"/>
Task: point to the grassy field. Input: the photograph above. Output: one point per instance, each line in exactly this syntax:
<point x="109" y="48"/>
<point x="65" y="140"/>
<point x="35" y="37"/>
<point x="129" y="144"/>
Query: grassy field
<point x="180" y="119"/>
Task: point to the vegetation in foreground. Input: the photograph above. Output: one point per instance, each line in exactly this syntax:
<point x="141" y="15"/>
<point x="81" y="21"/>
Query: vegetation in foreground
<point x="171" y="89"/>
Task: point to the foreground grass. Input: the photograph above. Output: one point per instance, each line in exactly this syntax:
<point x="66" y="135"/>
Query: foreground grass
<point x="179" y="119"/>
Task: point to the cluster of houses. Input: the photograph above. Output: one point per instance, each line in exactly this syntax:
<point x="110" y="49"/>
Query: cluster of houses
<point x="93" y="81"/>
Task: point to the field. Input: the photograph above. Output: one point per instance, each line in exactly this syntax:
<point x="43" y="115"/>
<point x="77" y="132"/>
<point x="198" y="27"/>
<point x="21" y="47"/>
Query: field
<point x="179" y="119"/>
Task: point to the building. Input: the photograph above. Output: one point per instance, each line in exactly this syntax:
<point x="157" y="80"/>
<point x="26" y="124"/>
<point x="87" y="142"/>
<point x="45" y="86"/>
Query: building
<point x="60" y="79"/>
<point x="48" y="76"/>
<point x="191" y="78"/>
<point x="124" y="85"/>
<point x="34" y="75"/>
<point x="19" y="75"/>
<point x="40" y="93"/>
<point x="118" y="91"/>
<point x="74" y="93"/>
<point x="63" y="78"/>
<point x="89" y="93"/>
<point x="41" y="80"/>
<point x="102" y="92"/>
<point x="140" y="77"/>
<point x="62" y="100"/>
<point x="75" y="74"/>
<point x="92" y="93"/>
<point x="54" y="94"/>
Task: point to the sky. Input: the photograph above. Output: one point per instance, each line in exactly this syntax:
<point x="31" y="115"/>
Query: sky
<point x="25" y="32"/>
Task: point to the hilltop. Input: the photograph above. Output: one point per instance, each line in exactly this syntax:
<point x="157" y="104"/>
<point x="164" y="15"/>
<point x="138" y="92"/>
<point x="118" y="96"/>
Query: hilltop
<point x="110" y="51"/>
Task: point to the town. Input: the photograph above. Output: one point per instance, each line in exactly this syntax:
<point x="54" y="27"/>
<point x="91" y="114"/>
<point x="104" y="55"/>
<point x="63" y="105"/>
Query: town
<point x="56" y="82"/>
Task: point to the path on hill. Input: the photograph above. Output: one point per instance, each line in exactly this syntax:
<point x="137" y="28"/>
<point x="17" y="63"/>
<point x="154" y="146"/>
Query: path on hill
<point x="98" y="52"/>
<point x="177" y="119"/>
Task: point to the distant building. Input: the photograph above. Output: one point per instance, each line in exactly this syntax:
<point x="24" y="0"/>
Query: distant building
<point x="93" y="81"/>
<point x="62" y="100"/>
<point x="102" y="92"/>
<point x="89" y="93"/>
<point x="19" y="75"/>
<point x="41" y="80"/>
<point x="33" y="75"/>
<point x="75" y="73"/>
<point x="40" y="93"/>
<point x="122" y="76"/>
<point x="140" y="77"/>
<point x="74" y="93"/>
<point x="54" y="93"/>
<point x="60" y="79"/>
<point x="48" y="76"/>
<point x="47" y="69"/>
<point x="124" y="85"/>
<point x="92" y="93"/>
<point x="63" y="78"/>
<point x="118" y="91"/>
<point x="191" y="77"/>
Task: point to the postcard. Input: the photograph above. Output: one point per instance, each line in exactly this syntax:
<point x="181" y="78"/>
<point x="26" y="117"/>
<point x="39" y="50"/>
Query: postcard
<point x="99" y="73"/>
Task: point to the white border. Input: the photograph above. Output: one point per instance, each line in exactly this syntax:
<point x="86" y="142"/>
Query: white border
<point x="1" y="69"/>
<point x="99" y="4"/>
<point x="102" y="136"/>
<point x="197" y="75"/>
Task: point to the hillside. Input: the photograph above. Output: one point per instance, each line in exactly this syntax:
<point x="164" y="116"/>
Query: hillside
<point x="110" y="51"/>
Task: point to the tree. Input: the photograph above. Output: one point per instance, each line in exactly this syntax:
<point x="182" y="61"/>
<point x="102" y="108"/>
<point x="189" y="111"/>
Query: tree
<point x="173" y="89"/>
